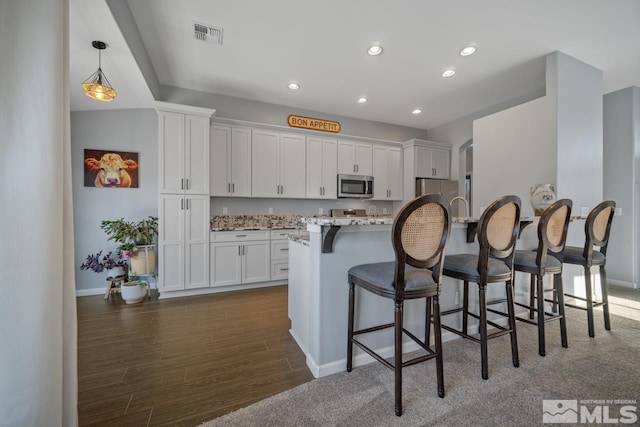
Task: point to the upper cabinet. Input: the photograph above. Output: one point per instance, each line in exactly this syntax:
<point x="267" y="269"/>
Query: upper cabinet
<point x="183" y="149"/>
<point x="433" y="162"/>
<point x="355" y="158"/>
<point x="230" y="161"/>
<point x="322" y="168"/>
<point x="278" y="166"/>
<point x="387" y="173"/>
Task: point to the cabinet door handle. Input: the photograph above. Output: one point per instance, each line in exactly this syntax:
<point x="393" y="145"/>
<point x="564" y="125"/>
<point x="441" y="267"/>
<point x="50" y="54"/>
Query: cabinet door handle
<point x="282" y="249"/>
<point x="241" y="235"/>
<point x="187" y="204"/>
<point x="229" y="188"/>
<point x="233" y="188"/>
<point x="284" y="269"/>
<point x="186" y="184"/>
<point x="182" y="183"/>
<point x="244" y="250"/>
<point x="239" y="250"/>
<point x="181" y="204"/>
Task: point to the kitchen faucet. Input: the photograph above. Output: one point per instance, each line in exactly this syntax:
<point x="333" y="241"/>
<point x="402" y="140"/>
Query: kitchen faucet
<point x="466" y="205"/>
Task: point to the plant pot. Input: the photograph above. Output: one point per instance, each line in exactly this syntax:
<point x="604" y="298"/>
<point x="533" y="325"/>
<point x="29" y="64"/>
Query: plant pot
<point x="133" y="292"/>
<point x="116" y="272"/>
<point x="139" y="261"/>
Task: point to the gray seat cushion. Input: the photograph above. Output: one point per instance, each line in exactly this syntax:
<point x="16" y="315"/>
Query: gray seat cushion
<point x="573" y="255"/>
<point x="527" y="259"/>
<point x="381" y="275"/>
<point x="467" y="264"/>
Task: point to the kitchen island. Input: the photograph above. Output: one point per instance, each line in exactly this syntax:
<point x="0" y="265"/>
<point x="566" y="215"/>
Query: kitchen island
<point x="318" y="289"/>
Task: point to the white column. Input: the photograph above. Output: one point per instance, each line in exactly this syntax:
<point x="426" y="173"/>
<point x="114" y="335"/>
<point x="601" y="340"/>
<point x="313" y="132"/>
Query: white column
<point x="37" y="308"/>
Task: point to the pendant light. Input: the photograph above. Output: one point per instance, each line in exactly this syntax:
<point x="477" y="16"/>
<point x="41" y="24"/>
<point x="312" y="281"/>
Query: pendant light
<point x="97" y="86"/>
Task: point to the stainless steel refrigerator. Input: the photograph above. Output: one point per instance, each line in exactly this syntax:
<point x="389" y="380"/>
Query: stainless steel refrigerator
<point x="441" y="186"/>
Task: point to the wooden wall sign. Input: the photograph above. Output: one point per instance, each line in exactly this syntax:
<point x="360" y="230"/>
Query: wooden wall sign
<point x="314" y="124"/>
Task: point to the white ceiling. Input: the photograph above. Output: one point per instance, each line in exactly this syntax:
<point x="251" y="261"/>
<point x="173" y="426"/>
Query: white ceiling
<point x="322" y="46"/>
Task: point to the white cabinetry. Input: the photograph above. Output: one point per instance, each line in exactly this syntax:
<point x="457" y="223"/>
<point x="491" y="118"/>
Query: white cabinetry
<point x="183" y="242"/>
<point x="280" y="254"/>
<point x="387" y="173"/>
<point x="183" y="202"/>
<point x="355" y="158"/>
<point x="278" y="165"/>
<point x="239" y="257"/>
<point x="230" y="161"/>
<point x="322" y="168"/>
<point x="433" y="163"/>
<point x="183" y="153"/>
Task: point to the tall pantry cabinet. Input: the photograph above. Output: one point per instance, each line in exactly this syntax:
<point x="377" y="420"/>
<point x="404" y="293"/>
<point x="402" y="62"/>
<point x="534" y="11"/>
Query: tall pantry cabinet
<point x="183" y="202"/>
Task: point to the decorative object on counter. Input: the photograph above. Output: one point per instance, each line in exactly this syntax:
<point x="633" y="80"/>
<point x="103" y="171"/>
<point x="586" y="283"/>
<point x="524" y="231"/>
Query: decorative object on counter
<point x="542" y="196"/>
<point x="235" y="222"/>
<point x="111" y="262"/>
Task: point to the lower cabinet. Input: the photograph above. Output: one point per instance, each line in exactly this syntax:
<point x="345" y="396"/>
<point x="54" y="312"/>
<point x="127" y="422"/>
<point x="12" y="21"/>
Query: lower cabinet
<point x="239" y="257"/>
<point x="183" y="244"/>
<point x="280" y="254"/>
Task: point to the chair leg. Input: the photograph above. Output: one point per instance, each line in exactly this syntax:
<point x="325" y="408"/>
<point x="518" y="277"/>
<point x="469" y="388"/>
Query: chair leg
<point x="437" y="334"/>
<point x="427" y="323"/>
<point x="465" y="306"/>
<point x="482" y="300"/>
<point x="540" y="290"/>
<point x="352" y="299"/>
<point x="589" y="292"/>
<point x="557" y="283"/>
<point x="554" y="305"/>
<point x="398" y="357"/>
<point x="532" y="297"/>
<point x="512" y="324"/>
<point x="605" y="297"/>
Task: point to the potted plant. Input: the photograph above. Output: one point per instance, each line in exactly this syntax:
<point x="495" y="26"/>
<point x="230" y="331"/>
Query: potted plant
<point x="111" y="262"/>
<point x="130" y="235"/>
<point x="133" y="290"/>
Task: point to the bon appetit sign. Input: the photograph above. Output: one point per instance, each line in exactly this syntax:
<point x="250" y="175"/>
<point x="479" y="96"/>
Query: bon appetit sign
<point x="314" y="124"/>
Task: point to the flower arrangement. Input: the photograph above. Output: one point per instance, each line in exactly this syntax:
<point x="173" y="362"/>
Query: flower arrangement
<point x="99" y="263"/>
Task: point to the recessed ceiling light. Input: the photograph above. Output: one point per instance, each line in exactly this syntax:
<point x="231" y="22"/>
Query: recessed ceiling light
<point x="362" y="100"/>
<point x="448" y="73"/>
<point x="416" y="111"/>
<point x="374" y="50"/>
<point x="469" y="50"/>
<point x="294" y="86"/>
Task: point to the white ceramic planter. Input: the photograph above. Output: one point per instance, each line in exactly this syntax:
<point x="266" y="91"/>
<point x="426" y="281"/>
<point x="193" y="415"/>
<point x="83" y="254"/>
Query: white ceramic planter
<point x="115" y="272"/>
<point x="133" y="292"/>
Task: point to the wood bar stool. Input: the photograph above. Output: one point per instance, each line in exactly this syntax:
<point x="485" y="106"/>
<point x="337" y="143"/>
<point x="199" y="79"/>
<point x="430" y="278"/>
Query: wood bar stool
<point x="419" y="237"/>
<point x="547" y="259"/>
<point x="594" y="253"/>
<point x="497" y="233"/>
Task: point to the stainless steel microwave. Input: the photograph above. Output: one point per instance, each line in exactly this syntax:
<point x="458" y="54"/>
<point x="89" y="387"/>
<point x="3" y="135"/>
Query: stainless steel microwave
<point x="355" y="186"/>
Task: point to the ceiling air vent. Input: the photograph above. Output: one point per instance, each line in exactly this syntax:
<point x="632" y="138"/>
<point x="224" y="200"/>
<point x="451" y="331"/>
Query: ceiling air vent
<point x="208" y="33"/>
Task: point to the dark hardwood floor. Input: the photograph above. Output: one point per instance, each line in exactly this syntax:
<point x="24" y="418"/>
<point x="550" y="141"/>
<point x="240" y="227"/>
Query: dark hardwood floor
<point x="183" y="361"/>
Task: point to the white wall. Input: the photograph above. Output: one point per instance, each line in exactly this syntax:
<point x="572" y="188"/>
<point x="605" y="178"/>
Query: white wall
<point x="578" y="97"/>
<point x="120" y="130"/>
<point x="621" y="152"/>
<point x="512" y="150"/>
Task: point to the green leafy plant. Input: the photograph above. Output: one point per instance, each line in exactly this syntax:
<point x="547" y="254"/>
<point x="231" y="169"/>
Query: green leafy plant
<point x="130" y="233"/>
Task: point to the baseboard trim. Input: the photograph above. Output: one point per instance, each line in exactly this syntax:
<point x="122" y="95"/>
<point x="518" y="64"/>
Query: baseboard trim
<point x="217" y="290"/>
<point x="623" y="284"/>
<point x="89" y="292"/>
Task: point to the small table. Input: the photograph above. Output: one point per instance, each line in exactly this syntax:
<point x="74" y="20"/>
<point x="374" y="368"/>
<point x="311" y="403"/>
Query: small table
<point x="111" y="284"/>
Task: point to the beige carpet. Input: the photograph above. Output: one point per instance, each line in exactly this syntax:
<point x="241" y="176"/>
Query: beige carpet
<point x="606" y="367"/>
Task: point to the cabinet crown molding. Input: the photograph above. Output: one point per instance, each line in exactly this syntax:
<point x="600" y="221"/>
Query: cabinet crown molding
<point x="185" y="109"/>
<point x="425" y="143"/>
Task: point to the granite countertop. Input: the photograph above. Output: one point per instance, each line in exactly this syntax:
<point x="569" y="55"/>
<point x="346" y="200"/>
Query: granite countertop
<point x="301" y="237"/>
<point x="254" y="222"/>
<point x="383" y="220"/>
